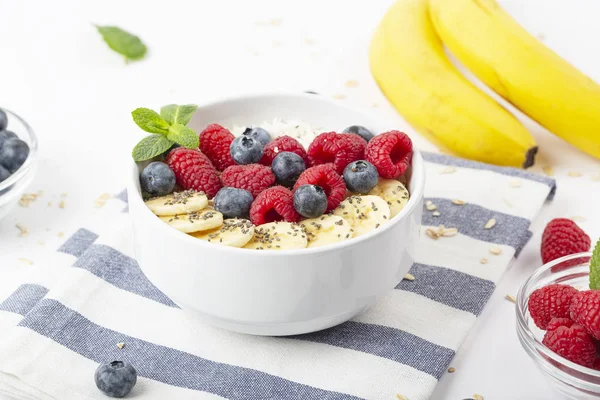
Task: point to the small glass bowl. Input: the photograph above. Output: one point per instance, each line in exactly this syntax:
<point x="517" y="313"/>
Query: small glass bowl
<point x="14" y="186"/>
<point x="570" y="379"/>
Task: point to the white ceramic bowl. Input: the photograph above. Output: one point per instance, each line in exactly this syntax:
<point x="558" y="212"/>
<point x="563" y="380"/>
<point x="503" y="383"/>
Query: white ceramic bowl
<point x="277" y="292"/>
<point x="12" y="188"/>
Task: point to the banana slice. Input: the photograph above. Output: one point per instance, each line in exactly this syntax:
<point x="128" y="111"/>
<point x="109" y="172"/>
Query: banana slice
<point x="234" y="232"/>
<point x="326" y="229"/>
<point x="363" y="213"/>
<point x="393" y="192"/>
<point x="278" y="236"/>
<point x="178" y="203"/>
<point x="198" y="221"/>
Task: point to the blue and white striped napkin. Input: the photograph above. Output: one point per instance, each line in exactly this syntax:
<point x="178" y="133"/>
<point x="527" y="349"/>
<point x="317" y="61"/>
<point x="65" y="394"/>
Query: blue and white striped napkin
<point x="91" y="303"/>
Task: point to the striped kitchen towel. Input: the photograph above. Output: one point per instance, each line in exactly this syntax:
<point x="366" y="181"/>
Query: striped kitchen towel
<point x="91" y="303"/>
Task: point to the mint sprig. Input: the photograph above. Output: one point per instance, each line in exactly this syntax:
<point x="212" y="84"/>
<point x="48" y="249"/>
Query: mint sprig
<point x="167" y="128"/>
<point x="123" y="42"/>
<point x="595" y="268"/>
<point x="150" y="121"/>
<point x="175" y="114"/>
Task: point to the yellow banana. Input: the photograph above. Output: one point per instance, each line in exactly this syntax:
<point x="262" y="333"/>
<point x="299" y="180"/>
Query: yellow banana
<point x="521" y="69"/>
<point x="409" y="64"/>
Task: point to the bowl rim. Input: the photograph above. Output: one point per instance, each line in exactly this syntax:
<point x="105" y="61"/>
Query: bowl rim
<point x="33" y="148"/>
<point x="533" y="343"/>
<point x="416" y="193"/>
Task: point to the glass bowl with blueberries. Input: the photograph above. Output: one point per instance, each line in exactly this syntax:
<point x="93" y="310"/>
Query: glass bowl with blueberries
<point x="18" y="150"/>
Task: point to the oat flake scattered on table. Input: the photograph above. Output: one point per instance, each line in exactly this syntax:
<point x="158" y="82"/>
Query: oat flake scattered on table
<point x="447" y="170"/>
<point x="511" y="298"/>
<point x="490" y="224"/>
<point x="496" y="251"/>
<point x="101" y="201"/>
<point x="548" y="170"/>
<point x="23" y="231"/>
<point x="27" y="199"/>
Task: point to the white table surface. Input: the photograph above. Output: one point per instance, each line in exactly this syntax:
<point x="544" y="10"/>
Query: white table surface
<point x="77" y="94"/>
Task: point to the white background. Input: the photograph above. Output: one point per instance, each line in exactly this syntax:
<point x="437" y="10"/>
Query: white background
<point x="57" y="73"/>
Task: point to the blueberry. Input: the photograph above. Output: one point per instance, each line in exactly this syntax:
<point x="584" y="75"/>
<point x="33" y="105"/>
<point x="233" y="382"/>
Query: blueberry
<point x="3" y="120"/>
<point x="115" y="379"/>
<point x="157" y="179"/>
<point x="287" y="167"/>
<point x="233" y="203"/>
<point x="5" y="135"/>
<point x="246" y="150"/>
<point x="4" y="173"/>
<point x="13" y="154"/>
<point x="360" y="176"/>
<point x="360" y="131"/>
<point x="310" y="201"/>
<point x="259" y="134"/>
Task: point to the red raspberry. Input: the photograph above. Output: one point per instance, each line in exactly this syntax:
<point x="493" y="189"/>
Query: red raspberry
<point x="274" y="204"/>
<point x="338" y="148"/>
<point x="556" y="322"/>
<point x="193" y="170"/>
<point x="585" y="311"/>
<point x="391" y="152"/>
<point x="253" y="177"/>
<point x="549" y="302"/>
<point x="596" y="365"/>
<point x="572" y="343"/>
<point x="279" y="144"/>
<point x="562" y="237"/>
<point x="325" y="176"/>
<point x="214" y="142"/>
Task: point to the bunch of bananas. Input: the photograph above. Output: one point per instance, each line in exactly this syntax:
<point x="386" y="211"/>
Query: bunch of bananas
<point x="408" y="62"/>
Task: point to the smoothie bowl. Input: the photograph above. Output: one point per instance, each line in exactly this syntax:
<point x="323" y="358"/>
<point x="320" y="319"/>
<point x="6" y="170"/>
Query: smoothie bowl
<point x="288" y="227"/>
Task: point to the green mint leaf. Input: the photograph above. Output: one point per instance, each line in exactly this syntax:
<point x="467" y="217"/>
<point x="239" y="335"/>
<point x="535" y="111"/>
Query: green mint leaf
<point x="150" y="121"/>
<point x="123" y="42"/>
<point x="150" y="147"/>
<point x="183" y="136"/>
<point x="175" y="114"/>
<point x="595" y="268"/>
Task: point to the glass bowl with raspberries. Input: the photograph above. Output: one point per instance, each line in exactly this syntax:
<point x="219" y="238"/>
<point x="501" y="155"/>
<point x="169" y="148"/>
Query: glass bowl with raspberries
<point x="18" y="157"/>
<point x="558" y="323"/>
<point x="274" y="214"/>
